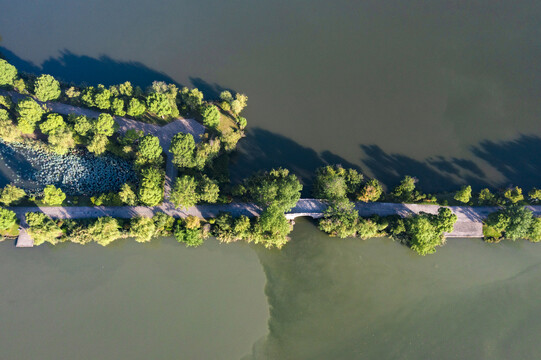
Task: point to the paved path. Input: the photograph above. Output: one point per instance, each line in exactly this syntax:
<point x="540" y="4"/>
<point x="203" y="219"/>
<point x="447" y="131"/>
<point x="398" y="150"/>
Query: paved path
<point x="469" y="222"/>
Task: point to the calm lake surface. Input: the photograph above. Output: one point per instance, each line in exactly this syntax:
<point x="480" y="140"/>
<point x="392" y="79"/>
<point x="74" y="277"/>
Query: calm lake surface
<point x="448" y="92"/>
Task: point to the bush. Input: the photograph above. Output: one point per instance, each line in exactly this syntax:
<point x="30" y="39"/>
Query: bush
<point x="46" y="88"/>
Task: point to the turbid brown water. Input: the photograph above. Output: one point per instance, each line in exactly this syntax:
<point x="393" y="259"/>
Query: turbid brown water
<point x="445" y="91"/>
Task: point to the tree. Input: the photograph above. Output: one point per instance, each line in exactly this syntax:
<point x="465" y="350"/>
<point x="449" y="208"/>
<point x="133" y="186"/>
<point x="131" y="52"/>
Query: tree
<point x="53" y="195"/>
<point x="192" y="98"/>
<point x="534" y="234"/>
<point x="463" y="195"/>
<point x="117" y="107"/>
<point x="445" y="220"/>
<point x="46" y="88"/>
<point x="486" y="197"/>
<point x="239" y="103"/>
<point x="42" y="228"/>
<point x="514" y="195"/>
<point x="340" y="219"/>
<point x="102" y="97"/>
<point x="142" y="228"/>
<point x="182" y="147"/>
<point x="192" y="222"/>
<point x="211" y="116"/>
<point x="423" y="236"/>
<point x="208" y="190"/>
<point x="276" y="187"/>
<point x="190" y="237"/>
<point x="242" y="122"/>
<point x="151" y="186"/>
<point x="226" y="96"/>
<point x="8" y="73"/>
<point x="11" y="195"/>
<point x="535" y="195"/>
<point x="159" y="104"/>
<point x="61" y="140"/>
<point x="105" y="230"/>
<point x="271" y="228"/>
<point x="6" y="102"/>
<point x="367" y="229"/>
<point x="370" y="191"/>
<point x="335" y="183"/>
<point x="149" y="151"/>
<point x="82" y="126"/>
<point x="104" y="125"/>
<point x="98" y="144"/>
<point x="404" y="191"/>
<point x="164" y="223"/>
<point x="7" y="219"/>
<point x="126" y="89"/>
<point x="72" y="92"/>
<point x="136" y="108"/>
<point x="52" y="123"/>
<point x="30" y="113"/>
<point x="127" y="195"/>
<point x="8" y="131"/>
<point x="513" y="222"/>
<point x="184" y="192"/>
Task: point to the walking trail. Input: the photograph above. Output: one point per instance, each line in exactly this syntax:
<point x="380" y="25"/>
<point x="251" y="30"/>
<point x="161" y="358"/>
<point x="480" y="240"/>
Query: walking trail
<point x="469" y="222"/>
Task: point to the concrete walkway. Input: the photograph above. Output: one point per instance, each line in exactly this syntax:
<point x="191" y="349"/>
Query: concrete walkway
<point x="469" y="222"/>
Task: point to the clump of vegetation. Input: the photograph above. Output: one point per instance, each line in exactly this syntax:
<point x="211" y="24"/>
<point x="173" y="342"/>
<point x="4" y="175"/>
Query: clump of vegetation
<point x="464" y="194"/>
<point x="42" y="228"/>
<point x="53" y="195"/>
<point x="11" y="195"/>
<point x="512" y="222"/>
<point x="46" y="88"/>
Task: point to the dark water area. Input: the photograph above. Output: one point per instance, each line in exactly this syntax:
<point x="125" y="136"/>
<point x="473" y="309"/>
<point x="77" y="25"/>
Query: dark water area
<point x="447" y="92"/>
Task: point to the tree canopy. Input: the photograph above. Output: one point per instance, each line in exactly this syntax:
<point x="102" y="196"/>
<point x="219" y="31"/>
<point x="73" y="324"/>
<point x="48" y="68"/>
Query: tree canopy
<point x="183" y="147"/>
<point x="53" y="195"/>
<point x="8" y="73"/>
<point x="276" y="187"/>
<point x="464" y="194"/>
<point x="46" y="88"/>
<point x="30" y="113"/>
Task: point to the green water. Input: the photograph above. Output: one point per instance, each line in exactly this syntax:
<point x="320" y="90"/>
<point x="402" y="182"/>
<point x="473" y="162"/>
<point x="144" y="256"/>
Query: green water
<point x="446" y="91"/>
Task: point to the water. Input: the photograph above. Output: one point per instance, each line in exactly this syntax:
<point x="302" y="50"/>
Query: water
<point x="448" y="92"/>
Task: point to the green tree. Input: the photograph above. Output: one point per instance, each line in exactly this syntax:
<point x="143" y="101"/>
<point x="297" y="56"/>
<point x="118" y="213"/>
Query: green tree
<point x="159" y="104"/>
<point x="136" y="108"/>
<point x="534" y="234"/>
<point x="105" y="230"/>
<point x="30" y="113"/>
<point x="142" y="228"/>
<point x="370" y="191"/>
<point x="239" y="103"/>
<point x="340" y="219"/>
<point x="151" y="186"/>
<point x="117" y="107"/>
<point x="104" y="125"/>
<point x="8" y="73"/>
<point x="7" y="219"/>
<point x="149" y="151"/>
<point x="192" y="98"/>
<point x="183" y="147"/>
<point x="6" y="102"/>
<point x="464" y="194"/>
<point x="8" y="131"/>
<point x="11" y="195"/>
<point x="242" y="122"/>
<point x="208" y="190"/>
<point x="53" y="195"/>
<point x="271" y="228"/>
<point x="514" y="195"/>
<point x="190" y="237"/>
<point x="164" y="223"/>
<point x="404" y="191"/>
<point x="82" y="126"/>
<point x="184" y="192"/>
<point x="102" y="97"/>
<point x="46" y="88"/>
<point x="72" y="92"/>
<point x="330" y="183"/>
<point x="486" y="197"/>
<point x="98" y="144"/>
<point x="276" y="187"/>
<point x="513" y="221"/>
<point x="126" y="89"/>
<point x="61" y="140"/>
<point x="127" y="195"/>
<point x="211" y="116"/>
<point x="226" y="96"/>
<point x="423" y="235"/>
<point x="42" y="228"/>
<point x="53" y="123"/>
